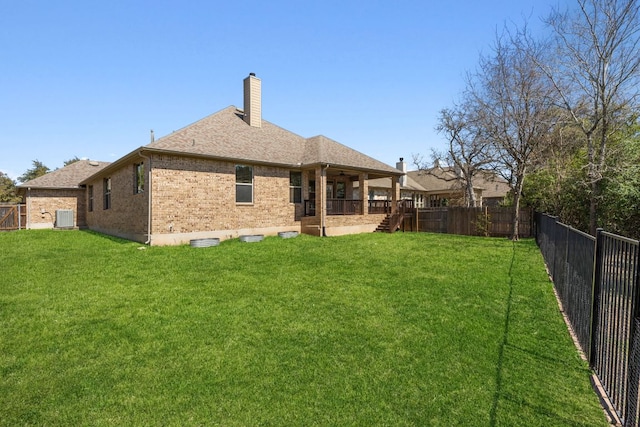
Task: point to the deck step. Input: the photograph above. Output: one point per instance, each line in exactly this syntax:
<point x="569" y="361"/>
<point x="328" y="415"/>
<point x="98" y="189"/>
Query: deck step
<point x="383" y="227"/>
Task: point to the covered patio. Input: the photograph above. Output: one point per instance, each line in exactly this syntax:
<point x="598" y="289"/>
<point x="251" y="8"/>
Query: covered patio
<point x="333" y="205"/>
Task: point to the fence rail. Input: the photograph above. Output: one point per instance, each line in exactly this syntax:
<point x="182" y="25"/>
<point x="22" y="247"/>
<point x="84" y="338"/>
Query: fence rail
<point x="597" y="280"/>
<point x="487" y="221"/>
<point x="492" y="221"/>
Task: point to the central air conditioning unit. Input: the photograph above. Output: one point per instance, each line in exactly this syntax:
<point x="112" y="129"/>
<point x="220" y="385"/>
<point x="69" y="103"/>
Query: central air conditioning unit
<point x="64" y="218"/>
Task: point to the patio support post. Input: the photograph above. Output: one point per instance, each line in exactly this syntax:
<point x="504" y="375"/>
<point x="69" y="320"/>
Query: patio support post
<point x="395" y="194"/>
<point x="364" y="192"/>
<point x="321" y="196"/>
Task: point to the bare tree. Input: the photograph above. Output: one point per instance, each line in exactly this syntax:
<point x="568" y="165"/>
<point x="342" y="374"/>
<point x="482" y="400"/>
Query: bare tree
<point x="515" y="98"/>
<point x="469" y="152"/>
<point x="596" y="76"/>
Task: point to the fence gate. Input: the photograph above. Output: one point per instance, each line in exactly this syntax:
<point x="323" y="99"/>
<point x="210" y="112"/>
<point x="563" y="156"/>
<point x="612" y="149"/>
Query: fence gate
<point x="12" y="217"/>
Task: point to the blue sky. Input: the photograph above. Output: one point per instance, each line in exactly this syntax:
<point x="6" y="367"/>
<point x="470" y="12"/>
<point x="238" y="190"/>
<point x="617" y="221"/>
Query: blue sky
<point x="92" y="78"/>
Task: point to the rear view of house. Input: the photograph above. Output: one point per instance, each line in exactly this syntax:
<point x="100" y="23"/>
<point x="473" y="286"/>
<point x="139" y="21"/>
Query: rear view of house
<point x="234" y="173"/>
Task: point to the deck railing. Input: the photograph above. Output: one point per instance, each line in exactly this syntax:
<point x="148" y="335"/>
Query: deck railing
<point x="380" y="206"/>
<point x="335" y="207"/>
<point x="354" y="206"/>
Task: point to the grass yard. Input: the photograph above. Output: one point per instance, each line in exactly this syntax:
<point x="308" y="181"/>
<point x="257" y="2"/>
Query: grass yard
<point x="372" y="329"/>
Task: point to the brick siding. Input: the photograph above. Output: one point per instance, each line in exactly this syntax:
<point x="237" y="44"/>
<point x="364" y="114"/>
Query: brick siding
<point x="194" y="195"/>
<point x="42" y="205"/>
<point x="191" y="196"/>
<point x="127" y="215"/>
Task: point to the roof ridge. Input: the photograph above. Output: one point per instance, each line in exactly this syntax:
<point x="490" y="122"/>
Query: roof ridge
<point x="68" y="176"/>
<point x="191" y="124"/>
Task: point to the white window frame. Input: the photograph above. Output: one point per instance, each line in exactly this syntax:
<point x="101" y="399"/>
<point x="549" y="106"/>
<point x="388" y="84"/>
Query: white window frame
<point x="244" y="185"/>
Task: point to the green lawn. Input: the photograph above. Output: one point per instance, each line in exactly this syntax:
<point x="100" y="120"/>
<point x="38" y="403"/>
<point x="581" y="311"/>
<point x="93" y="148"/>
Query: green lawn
<point x="372" y="329"/>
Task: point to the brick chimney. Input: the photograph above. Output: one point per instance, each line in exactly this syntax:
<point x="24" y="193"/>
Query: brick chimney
<point x="252" y="101"/>
<point x="402" y="165"/>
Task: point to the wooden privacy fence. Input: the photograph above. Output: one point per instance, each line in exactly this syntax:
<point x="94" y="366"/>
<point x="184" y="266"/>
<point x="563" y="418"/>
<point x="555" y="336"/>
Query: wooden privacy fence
<point x="488" y="221"/>
<point x="13" y="217"/>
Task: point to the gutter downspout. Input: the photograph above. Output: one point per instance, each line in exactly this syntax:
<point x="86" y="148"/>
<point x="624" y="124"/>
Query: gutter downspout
<point x="28" y="224"/>
<point x="148" y="242"/>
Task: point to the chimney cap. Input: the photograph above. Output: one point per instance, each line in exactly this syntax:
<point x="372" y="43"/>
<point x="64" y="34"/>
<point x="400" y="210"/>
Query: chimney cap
<point x="252" y="74"/>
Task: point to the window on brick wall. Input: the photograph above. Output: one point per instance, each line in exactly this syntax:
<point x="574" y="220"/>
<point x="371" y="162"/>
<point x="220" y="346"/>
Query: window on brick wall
<point x="341" y="190"/>
<point x="106" y="183"/>
<point x="295" y="187"/>
<point x="90" y="201"/>
<point x="138" y="178"/>
<point x="312" y="190"/>
<point x="244" y="184"/>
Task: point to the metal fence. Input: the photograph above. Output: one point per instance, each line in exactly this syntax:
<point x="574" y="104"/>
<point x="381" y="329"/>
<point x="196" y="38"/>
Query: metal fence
<point x="597" y="281"/>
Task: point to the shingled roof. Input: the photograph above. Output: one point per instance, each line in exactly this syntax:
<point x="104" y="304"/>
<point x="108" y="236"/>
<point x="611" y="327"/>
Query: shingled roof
<point x="410" y="185"/>
<point x="226" y="135"/>
<point x="439" y="179"/>
<point x="436" y="179"/>
<point x="68" y="177"/>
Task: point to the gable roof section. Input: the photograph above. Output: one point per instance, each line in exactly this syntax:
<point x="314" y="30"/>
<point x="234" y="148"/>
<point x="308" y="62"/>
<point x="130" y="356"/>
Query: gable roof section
<point x="68" y="177"/>
<point x="323" y="150"/>
<point x="226" y="135"/>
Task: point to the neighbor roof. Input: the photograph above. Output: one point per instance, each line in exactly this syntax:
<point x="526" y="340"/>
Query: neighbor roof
<point x="436" y="179"/>
<point x="493" y="185"/>
<point x="410" y="185"/>
<point x="68" y="177"/>
<point x="442" y="179"/>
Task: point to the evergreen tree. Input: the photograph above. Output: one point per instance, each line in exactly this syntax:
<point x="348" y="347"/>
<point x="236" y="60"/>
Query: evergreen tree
<point x="37" y="170"/>
<point x="7" y="189"/>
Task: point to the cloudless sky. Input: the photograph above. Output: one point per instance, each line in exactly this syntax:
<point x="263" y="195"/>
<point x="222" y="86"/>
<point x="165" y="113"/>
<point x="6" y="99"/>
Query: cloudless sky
<point x="92" y="78"/>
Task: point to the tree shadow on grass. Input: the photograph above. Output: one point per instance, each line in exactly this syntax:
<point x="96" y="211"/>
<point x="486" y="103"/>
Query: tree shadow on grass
<point x="503" y="344"/>
<point x="510" y="399"/>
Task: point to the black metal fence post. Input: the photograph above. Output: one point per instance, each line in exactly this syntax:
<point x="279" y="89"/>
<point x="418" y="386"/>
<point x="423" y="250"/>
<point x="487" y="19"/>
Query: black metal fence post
<point x="595" y="299"/>
<point x="597" y="279"/>
<point x="633" y="358"/>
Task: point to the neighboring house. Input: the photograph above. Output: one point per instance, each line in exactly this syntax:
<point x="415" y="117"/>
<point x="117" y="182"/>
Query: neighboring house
<point x="381" y="188"/>
<point x="443" y="187"/>
<point x="494" y="188"/>
<point x="233" y="173"/>
<point x="57" y="192"/>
